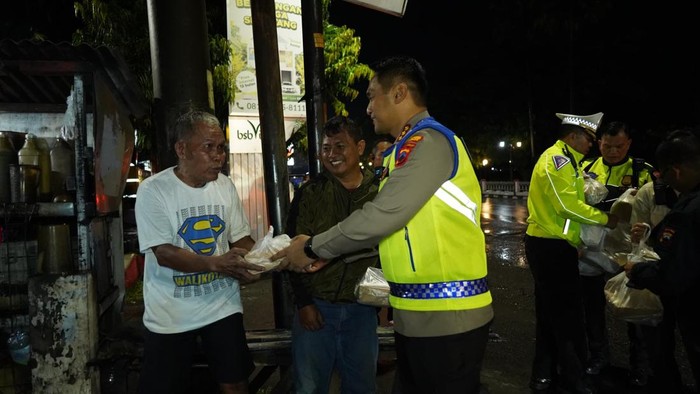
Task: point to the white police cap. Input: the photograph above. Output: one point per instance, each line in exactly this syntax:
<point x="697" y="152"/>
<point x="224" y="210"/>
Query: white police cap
<point x="589" y="122"/>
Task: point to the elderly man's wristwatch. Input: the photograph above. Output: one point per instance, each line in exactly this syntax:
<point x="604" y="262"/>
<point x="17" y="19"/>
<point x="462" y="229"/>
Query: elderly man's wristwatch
<point x="308" y="251"/>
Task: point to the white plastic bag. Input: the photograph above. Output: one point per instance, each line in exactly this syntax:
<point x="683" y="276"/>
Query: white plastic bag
<point x="594" y="191"/>
<point x="372" y="288"/>
<point x="642" y="251"/>
<point x="622" y="207"/>
<point x="632" y="305"/>
<point x="593" y="263"/>
<point x="593" y="236"/>
<point x="264" y="249"/>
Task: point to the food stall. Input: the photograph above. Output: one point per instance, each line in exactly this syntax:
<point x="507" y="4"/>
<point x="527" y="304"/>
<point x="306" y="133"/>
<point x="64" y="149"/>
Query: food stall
<point x="74" y="111"/>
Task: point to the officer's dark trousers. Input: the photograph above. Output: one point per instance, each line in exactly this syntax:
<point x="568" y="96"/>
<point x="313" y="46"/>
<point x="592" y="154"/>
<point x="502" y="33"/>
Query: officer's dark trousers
<point x="593" y="293"/>
<point x="560" y="337"/>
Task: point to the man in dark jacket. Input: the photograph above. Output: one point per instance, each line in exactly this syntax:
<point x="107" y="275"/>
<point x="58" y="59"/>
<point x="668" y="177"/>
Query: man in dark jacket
<point x="330" y="329"/>
<point x="676" y="276"/>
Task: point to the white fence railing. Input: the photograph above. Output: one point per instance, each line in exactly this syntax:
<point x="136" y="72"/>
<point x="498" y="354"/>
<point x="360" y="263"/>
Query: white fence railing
<point x="515" y="189"/>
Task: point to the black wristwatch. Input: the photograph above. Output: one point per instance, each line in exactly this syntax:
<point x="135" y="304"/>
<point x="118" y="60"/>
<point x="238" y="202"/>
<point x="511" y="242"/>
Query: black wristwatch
<point x="308" y="251"/>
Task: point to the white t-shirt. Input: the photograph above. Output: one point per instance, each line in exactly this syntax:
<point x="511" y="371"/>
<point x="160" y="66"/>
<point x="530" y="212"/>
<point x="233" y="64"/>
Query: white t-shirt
<point x="202" y="220"/>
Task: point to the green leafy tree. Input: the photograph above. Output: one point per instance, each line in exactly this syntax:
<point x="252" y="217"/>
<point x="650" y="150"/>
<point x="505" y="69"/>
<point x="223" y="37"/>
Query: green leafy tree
<point x="121" y="25"/>
<point x="342" y="72"/>
<point x="124" y="25"/>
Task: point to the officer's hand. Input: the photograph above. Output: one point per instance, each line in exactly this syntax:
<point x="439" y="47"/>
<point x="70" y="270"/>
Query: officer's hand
<point x="294" y="257"/>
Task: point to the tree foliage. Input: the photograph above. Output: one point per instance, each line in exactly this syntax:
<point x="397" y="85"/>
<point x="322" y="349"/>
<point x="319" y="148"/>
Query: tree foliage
<point x="124" y="25"/>
<point x="121" y="25"/>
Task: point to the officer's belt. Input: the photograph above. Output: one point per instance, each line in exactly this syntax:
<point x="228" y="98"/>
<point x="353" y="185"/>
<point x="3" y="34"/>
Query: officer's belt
<point x="456" y="289"/>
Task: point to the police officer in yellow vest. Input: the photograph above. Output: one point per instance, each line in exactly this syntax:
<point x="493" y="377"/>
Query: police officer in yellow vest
<point x="426" y="218"/>
<point x="618" y="172"/>
<point x="557" y="208"/>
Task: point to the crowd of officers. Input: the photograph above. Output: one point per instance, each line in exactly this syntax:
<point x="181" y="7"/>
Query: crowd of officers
<point x="571" y="337"/>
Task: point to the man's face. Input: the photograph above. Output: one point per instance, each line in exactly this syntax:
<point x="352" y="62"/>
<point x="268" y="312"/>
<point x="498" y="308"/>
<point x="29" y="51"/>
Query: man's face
<point x="340" y="155"/>
<point x="670" y="175"/>
<point x="379" y="149"/>
<point x="614" y="148"/>
<point x="203" y="155"/>
<point x="380" y="107"/>
<point x="582" y="142"/>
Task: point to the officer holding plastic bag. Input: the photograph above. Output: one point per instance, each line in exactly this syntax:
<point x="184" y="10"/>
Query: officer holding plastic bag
<point x="620" y="174"/>
<point x="557" y="208"/>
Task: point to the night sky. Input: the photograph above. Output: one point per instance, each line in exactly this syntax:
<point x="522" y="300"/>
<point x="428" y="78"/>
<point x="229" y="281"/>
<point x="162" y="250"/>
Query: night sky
<point x="490" y="62"/>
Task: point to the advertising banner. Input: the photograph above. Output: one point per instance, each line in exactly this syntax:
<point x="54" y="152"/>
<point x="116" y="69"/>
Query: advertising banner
<point x="244" y="133"/>
<point x="289" y="38"/>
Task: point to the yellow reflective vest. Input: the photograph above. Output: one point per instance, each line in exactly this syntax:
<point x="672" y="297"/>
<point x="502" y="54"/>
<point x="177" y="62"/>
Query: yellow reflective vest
<point x="556" y="203"/>
<point x="618" y="177"/>
<point x="437" y="262"/>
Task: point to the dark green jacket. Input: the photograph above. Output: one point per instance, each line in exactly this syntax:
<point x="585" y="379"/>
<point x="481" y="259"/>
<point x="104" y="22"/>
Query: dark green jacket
<point x="318" y="205"/>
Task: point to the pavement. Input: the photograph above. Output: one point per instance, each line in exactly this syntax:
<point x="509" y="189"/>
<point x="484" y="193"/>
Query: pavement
<point x="508" y="359"/>
<point x="506" y="368"/>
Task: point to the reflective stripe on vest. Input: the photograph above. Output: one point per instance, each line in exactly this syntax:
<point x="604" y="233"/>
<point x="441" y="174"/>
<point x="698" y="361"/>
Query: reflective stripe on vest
<point x="456" y="289"/>
<point x="456" y="199"/>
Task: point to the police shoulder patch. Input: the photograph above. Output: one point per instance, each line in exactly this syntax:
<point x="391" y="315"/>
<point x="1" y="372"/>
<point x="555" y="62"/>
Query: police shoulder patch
<point x="406" y="149"/>
<point x="560" y="161"/>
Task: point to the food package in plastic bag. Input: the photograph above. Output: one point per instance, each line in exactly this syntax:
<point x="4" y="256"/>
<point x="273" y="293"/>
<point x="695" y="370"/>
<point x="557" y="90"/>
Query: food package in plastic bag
<point x="642" y="251"/>
<point x="593" y="236"/>
<point x="264" y="249"/>
<point x="372" y="288"/>
<point x="592" y="263"/>
<point x="594" y="191"/>
<point x="622" y="207"/>
<point x="632" y="305"/>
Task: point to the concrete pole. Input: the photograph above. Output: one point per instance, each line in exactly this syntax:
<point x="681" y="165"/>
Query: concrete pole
<point x="267" y="73"/>
<point x="312" y="21"/>
<point x="180" y="68"/>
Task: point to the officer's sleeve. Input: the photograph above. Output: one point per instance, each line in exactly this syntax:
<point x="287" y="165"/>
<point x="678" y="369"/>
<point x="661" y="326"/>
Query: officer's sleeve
<point x="427" y="166"/>
<point x="564" y="195"/>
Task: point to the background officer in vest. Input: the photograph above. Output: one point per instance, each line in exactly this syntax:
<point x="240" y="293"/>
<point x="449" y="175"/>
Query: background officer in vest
<point x="426" y="218"/>
<point x="557" y="208"/>
<point x="618" y="172"/>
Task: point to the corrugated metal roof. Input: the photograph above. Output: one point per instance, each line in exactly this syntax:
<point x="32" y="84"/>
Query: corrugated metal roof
<point x="40" y="74"/>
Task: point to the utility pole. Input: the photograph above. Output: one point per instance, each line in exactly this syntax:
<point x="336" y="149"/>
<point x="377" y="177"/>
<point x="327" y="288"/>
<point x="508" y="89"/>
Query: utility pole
<point x="180" y="63"/>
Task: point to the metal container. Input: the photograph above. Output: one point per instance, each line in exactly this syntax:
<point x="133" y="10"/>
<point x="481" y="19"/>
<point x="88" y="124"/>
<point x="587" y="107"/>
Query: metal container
<point x="45" y="175"/>
<point x="24" y="183"/>
<point x="54" y="249"/>
<point x="29" y="153"/>
<point x="7" y="157"/>
<point x="62" y="168"/>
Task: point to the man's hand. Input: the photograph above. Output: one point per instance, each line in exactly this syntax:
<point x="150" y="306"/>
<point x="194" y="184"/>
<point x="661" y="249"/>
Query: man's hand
<point x="638" y="231"/>
<point x="233" y="264"/>
<point x="310" y="317"/>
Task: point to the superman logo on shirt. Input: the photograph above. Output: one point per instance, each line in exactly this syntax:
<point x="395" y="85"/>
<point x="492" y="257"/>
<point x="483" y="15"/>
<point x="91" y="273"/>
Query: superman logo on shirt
<point x="201" y="232"/>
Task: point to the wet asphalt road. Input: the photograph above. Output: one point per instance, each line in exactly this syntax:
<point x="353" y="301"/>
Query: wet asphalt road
<point x="506" y="368"/>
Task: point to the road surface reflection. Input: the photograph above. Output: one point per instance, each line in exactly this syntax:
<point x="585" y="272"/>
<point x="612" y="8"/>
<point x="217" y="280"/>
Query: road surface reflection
<point x="504" y="222"/>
